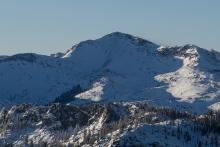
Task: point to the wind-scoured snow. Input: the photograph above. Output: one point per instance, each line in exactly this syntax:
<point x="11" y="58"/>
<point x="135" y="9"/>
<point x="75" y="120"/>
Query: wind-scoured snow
<point x="116" y="67"/>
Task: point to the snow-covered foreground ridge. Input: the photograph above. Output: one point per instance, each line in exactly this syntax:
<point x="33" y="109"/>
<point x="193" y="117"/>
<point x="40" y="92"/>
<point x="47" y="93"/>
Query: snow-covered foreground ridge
<point x="109" y="125"/>
<point x="116" y="67"/>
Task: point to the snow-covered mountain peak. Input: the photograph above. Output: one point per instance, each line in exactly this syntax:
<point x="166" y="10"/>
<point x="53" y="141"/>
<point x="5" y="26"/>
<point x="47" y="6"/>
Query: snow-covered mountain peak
<point x="112" y="43"/>
<point x="115" y="67"/>
<point x="118" y="36"/>
<point x="120" y="80"/>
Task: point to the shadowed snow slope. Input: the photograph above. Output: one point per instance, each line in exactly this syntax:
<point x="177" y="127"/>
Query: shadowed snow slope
<point x="116" y="67"/>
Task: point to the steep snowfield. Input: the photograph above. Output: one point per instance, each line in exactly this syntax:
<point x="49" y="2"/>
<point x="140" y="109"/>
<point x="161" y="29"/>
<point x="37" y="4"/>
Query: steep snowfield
<point x="113" y="68"/>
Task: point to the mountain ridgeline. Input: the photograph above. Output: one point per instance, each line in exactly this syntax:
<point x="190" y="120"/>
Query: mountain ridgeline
<point x="116" y="67"/>
<point x="115" y="91"/>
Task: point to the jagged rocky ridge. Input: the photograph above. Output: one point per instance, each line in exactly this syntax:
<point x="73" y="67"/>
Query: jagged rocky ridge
<point x="113" y="124"/>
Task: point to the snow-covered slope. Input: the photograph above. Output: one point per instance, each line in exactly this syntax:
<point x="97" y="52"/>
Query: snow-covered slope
<point x="111" y="125"/>
<point x="113" y="68"/>
<point x="33" y="78"/>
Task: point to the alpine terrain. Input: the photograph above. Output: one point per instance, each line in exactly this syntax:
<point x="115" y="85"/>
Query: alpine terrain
<point x="118" y="90"/>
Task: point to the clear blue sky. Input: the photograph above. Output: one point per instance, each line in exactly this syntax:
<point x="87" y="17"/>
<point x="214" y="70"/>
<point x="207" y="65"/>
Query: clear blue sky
<point x="49" y="26"/>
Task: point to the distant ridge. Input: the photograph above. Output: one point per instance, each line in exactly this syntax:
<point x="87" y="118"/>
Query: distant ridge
<point x="116" y="67"/>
